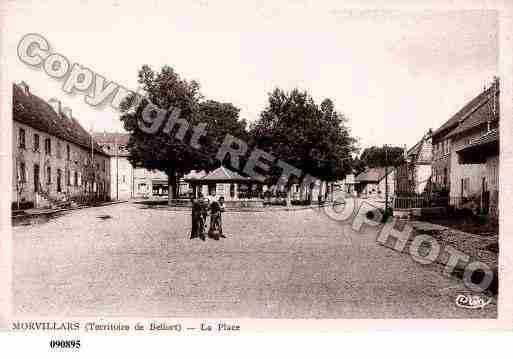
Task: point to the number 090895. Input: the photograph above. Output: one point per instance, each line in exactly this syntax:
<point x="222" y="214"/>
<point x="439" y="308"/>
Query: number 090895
<point x="65" y="344"/>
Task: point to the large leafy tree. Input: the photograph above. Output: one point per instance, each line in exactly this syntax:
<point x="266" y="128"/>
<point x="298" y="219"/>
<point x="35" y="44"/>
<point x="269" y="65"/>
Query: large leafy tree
<point x="161" y="150"/>
<point x="312" y="138"/>
<point x="382" y="156"/>
<point x="221" y="119"/>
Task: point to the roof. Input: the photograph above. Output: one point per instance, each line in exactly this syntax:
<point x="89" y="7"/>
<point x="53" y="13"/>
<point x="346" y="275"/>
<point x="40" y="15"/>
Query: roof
<point x="480" y="115"/>
<point x="490" y="137"/>
<point x="421" y="151"/>
<point x="375" y="174"/>
<point x="414" y="151"/>
<point x="35" y="112"/>
<point x="194" y="175"/>
<point x="111" y="137"/>
<point x="476" y="102"/>
<point x="220" y="174"/>
<point x="110" y="140"/>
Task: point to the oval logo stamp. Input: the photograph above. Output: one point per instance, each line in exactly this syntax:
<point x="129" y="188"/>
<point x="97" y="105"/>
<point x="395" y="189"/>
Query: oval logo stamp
<point x="472" y="301"/>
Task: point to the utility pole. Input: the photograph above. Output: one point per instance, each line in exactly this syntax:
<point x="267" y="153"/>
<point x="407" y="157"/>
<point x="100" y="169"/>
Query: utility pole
<point x="386" y="179"/>
<point x="92" y="161"/>
<point x="405" y="156"/>
<point x="117" y="169"/>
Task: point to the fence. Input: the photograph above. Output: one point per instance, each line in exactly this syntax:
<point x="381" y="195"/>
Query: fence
<point x="420" y="201"/>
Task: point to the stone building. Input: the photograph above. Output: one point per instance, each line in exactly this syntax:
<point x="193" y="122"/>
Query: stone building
<point x="413" y="176"/>
<point x="55" y="159"/>
<point x="122" y="176"/>
<point x="129" y="182"/>
<point x="442" y="142"/>
<point x="474" y="160"/>
<point x="350" y="184"/>
<point x="373" y="182"/>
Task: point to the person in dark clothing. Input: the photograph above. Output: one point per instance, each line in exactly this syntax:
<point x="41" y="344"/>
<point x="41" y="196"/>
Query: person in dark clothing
<point x="198" y="216"/>
<point x="216" y="222"/>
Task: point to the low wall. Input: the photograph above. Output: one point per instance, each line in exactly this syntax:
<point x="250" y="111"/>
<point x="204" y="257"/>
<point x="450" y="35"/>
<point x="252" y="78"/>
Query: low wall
<point x="245" y="203"/>
<point x="426" y="212"/>
<point x="240" y="203"/>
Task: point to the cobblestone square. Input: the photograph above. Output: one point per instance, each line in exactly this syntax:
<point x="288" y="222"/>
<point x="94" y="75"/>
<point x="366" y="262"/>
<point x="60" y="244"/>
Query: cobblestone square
<point x="129" y="260"/>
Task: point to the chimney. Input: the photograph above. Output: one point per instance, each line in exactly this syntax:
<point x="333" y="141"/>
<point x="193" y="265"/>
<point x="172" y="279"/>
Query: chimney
<point x="25" y="88"/>
<point x="56" y="104"/>
<point x="67" y="112"/>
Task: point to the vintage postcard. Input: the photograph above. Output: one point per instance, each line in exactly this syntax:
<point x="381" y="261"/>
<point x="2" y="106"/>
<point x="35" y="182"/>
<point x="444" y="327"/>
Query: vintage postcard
<point x="226" y="167"/>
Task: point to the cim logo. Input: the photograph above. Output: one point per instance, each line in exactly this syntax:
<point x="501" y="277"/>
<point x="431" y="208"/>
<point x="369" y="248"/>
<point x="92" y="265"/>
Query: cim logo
<point x="473" y="301"/>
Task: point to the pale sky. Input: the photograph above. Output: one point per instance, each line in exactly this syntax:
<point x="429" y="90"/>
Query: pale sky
<point x="394" y="74"/>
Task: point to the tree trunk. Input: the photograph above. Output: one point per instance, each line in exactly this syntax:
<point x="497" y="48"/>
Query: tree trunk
<point x="324" y="190"/>
<point x="171" y="182"/>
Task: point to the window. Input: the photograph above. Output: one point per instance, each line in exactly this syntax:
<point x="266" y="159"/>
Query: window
<point x="21" y="139"/>
<point x="48" y="175"/>
<point x="59" y="180"/>
<point x="68" y="177"/>
<point x="59" y="152"/>
<point x="36" y="142"/>
<point x="48" y="146"/>
<point x="76" y="179"/>
<point x="68" y="152"/>
<point x="445" y="176"/>
<point x="22" y="176"/>
<point x="36" y="178"/>
<point x="123" y="179"/>
<point x="103" y="165"/>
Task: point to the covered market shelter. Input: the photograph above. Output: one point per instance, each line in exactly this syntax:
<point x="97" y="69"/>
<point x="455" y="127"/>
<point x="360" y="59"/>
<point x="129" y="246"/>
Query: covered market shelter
<point x="227" y="183"/>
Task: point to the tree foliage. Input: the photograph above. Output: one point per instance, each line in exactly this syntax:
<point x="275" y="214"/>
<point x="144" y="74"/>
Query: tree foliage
<point x="382" y="156"/>
<point x="163" y="151"/>
<point x="312" y="138"/>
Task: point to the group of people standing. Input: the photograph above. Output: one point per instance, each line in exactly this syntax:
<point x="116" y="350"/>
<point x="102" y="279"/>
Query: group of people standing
<point x="200" y="211"/>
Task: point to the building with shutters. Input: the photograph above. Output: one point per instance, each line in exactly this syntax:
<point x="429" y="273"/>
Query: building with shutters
<point x="466" y="154"/>
<point x="129" y="182"/>
<point x="55" y="159"/>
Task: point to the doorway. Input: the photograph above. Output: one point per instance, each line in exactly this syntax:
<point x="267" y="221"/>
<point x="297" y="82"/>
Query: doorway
<point x="36" y="178"/>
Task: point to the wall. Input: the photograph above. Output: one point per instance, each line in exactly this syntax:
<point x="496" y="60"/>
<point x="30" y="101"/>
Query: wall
<point x="79" y="157"/>
<point x="122" y="173"/>
<point x="473" y="172"/>
<point x="492" y="169"/>
<point x="422" y="175"/>
<point x="143" y="181"/>
<point x="442" y="150"/>
<point x="391" y="185"/>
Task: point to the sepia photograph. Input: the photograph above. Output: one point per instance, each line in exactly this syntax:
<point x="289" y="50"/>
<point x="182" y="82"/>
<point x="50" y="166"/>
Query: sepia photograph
<point x="274" y="160"/>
